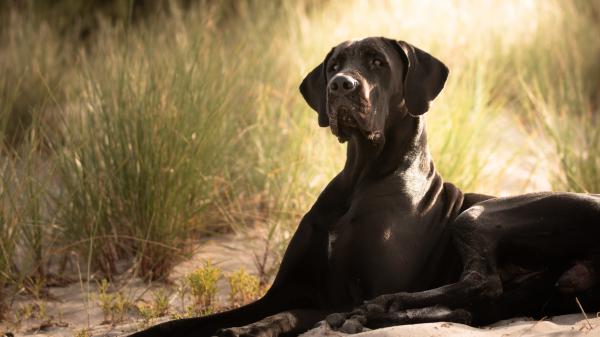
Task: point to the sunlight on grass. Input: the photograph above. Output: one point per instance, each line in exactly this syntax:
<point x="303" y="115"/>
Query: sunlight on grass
<point x="560" y="78"/>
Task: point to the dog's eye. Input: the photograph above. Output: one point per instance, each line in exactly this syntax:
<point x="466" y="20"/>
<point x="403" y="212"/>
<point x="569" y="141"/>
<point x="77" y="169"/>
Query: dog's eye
<point x="334" y="67"/>
<point x="377" y="62"/>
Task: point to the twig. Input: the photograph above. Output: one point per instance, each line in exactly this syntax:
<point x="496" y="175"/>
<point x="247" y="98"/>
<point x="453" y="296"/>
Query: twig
<point x="583" y="312"/>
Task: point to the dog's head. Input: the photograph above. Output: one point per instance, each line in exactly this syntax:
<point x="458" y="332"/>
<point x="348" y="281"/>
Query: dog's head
<point x="360" y="83"/>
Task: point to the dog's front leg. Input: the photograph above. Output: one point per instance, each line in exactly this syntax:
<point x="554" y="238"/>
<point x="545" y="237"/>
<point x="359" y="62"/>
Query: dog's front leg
<point x="285" y="323"/>
<point x="363" y="319"/>
<point x="479" y="281"/>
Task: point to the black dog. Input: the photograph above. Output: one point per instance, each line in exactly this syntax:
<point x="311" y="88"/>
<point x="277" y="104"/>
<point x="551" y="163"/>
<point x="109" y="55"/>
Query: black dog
<point x="389" y="242"/>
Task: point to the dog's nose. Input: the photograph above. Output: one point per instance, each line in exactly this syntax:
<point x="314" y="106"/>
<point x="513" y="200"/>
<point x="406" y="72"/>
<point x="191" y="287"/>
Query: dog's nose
<point x="342" y="84"/>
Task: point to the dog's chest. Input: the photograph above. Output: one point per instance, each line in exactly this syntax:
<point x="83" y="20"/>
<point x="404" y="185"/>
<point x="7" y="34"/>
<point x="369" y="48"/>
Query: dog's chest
<point x="332" y="236"/>
<point x="375" y="256"/>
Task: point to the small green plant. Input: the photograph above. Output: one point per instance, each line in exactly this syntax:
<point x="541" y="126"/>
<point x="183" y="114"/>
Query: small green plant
<point x="160" y="303"/>
<point x="182" y="291"/>
<point x="105" y="299"/>
<point x="243" y="287"/>
<point x="26" y="311"/>
<point x="82" y="333"/>
<point x="120" y="308"/>
<point x="147" y="312"/>
<point x="203" y="287"/>
<point x="157" y="308"/>
<point x="42" y="310"/>
<point x="114" y="306"/>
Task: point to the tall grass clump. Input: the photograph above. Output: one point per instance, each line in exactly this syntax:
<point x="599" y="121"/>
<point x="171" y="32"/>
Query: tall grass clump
<point x="270" y="178"/>
<point x="8" y="233"/>
<point x="143" y="141"/>
<point x="168" y="121"/>
<point x="7" y="225"/>
<point x="560" y="79"/>
<point x="33" y="63"/>
<point x="26" y="227"/>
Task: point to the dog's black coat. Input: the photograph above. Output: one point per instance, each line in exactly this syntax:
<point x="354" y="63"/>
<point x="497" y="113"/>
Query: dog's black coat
<point x="388" y="242"/>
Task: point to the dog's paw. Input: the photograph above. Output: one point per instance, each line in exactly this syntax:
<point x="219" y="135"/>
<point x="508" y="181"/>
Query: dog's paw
<point x="461" y="316"/>
<point x="334" y="321"/>
<point x="251" y="330"/>
<point x="228" y="332"/>
<point x="354" y="324"/>
<point x="349" y="322"/>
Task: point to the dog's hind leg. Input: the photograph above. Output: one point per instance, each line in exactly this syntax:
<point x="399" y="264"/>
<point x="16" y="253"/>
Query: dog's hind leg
<point x="583" y="275"/>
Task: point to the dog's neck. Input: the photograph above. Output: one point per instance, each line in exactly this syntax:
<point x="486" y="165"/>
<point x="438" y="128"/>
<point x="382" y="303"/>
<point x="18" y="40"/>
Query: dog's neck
<point x="402" y="155"/>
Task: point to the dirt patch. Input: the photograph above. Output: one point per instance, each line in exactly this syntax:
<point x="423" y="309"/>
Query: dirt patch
<point x="67" y="310"/>
<point x="568" y="325"/>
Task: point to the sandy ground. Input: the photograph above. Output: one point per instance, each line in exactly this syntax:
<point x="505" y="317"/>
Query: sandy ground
<point x="74" y="311"/>
<point x="70" y="309"/>
<point x="568" y="325"/>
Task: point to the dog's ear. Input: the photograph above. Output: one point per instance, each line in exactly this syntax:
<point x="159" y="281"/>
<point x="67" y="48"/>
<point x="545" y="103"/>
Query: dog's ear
<point x="424" y="78"/>
<point x="313" y="89"/>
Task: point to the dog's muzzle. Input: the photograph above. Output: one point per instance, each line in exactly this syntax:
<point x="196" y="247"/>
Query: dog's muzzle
<point x="341" y="88"/>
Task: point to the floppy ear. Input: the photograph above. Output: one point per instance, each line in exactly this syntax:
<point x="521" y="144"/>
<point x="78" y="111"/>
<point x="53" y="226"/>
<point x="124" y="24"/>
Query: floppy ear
<point x="313" y="88"/>
<point x="424" y="78"/>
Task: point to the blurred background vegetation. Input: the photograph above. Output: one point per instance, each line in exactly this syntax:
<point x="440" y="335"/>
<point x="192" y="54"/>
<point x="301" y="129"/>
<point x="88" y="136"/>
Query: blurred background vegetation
<point x="131" y="129"/>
